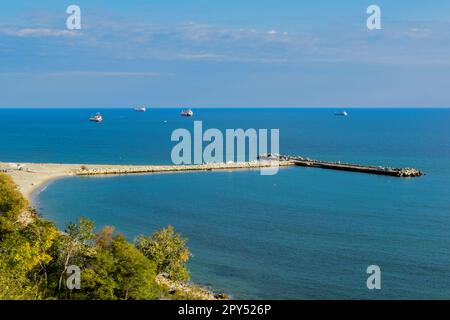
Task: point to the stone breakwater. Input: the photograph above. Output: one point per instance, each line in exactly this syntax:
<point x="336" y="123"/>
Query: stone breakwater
<point x="30" y="176"/>
<point x="86" y="170"/>
<point x="380" y="170"/>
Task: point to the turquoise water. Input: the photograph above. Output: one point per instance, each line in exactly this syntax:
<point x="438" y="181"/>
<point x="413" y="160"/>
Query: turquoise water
<point x="302" y="234"/>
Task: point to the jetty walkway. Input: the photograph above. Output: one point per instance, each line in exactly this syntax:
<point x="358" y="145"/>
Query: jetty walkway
<point x="380" y="170"/>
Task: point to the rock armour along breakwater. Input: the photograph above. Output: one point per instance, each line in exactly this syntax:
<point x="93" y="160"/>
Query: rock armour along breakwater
<point x="283" y="161"/>
<point x="380" y="170"/>
<point x="118" y="169"/>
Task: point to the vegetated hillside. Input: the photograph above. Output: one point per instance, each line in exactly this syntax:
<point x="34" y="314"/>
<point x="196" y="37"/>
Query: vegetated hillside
<point x="37" y="261"/>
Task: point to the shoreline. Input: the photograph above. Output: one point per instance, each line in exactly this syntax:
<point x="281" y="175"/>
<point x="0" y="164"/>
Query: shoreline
<point x="32" y="177"/>
<point x="33" y="195"/>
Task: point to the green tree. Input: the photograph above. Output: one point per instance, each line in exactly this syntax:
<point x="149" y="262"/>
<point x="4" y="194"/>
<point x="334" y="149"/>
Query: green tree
<point x="25" y="253"/>
<point x="98" y="282"/>
<point x="14" y="285"/>
<point x="118" y="270"/>
<point x="169" y="251"/>
<point x="135" y="274"/>
<point x="72" y="248"/>
<point x="12" y="203"/>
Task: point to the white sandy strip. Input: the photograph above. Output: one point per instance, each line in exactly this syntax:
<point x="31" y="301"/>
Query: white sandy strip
<point x="34" y="175"/>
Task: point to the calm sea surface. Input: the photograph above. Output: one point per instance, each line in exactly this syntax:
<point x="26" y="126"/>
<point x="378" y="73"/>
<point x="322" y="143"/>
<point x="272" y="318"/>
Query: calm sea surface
<point x="301" y="234"/>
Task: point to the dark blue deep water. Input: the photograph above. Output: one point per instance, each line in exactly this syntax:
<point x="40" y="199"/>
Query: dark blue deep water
<point x="301" y="234"/>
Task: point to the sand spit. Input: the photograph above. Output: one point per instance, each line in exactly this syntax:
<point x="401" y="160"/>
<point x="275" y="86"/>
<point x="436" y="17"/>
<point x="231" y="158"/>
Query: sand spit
<point x="31" y="176"/>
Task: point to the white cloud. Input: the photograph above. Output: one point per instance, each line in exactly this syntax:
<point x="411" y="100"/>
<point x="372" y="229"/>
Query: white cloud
<point x="85" y="73"/>
<point x="143" y="41"/>
<point x="223" y="58"/>
<point x="39" y="32"/>
<point x="200" y="56"/>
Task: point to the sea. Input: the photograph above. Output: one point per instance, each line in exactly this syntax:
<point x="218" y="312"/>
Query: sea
<point x="304" y="233"/>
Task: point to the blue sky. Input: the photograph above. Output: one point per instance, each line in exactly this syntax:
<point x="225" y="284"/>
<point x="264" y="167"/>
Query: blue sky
<point x="210" y="53"/>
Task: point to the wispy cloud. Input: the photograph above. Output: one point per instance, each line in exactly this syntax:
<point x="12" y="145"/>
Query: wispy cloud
<point x="86" y="74"/>
<point x="401" y="44"/>
<point x="38" y="32"/>
<point x="197" y="42"/>
<point x="124" y="41"/>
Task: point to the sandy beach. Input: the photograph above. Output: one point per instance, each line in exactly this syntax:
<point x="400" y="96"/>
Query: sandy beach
<point x="31" y="176"/>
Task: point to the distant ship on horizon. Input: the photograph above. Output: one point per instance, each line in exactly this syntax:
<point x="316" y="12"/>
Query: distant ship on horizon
<point x="140" y="109"/>
<point x="97" y="118"/>
<point x="187" y="113"/>
<point x="343" y="113"/>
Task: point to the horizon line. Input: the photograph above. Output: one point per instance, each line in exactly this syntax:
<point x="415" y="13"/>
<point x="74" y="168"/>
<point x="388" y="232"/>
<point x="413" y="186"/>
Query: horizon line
<point x="226" y="107"/>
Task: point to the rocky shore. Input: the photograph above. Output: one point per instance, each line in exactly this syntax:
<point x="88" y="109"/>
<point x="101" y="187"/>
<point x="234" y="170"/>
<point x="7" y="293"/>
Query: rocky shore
<point x="188" y="291"/>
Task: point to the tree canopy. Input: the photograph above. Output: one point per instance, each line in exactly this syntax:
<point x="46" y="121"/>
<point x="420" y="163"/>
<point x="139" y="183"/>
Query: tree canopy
<point x="169" y="251"/>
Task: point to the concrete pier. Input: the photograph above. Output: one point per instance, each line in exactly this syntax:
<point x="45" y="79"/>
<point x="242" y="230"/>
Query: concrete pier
<point x="380" y="170"/>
